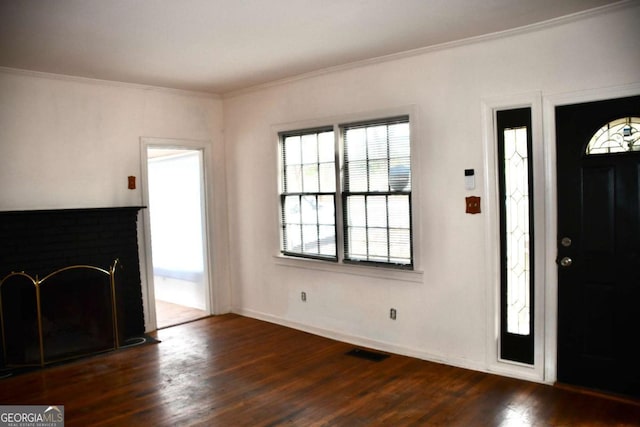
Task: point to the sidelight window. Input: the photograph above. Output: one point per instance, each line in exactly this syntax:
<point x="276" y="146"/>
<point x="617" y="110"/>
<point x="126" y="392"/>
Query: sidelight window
<point x="516" y="231"/>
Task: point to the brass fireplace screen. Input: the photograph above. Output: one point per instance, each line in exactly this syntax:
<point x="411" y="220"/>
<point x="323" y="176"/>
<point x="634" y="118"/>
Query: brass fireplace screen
<point x="67" y="314"/>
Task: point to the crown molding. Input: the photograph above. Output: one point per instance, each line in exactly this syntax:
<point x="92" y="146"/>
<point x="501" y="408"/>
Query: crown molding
<point x="112" y="83"/>
<point x="624" y="4"/>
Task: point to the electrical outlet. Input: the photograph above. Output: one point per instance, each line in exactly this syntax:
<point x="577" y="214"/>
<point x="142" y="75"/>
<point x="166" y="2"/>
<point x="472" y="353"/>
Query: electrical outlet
<point x="303" y="296"/>
<point x="392" y="314"/>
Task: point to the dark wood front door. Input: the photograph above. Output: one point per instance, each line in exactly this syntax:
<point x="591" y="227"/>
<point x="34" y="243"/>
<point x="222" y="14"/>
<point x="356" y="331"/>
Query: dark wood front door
<point x="598" y="252"/>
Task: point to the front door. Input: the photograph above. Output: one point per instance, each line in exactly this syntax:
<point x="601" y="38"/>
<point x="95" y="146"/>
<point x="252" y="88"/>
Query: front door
<point x="598" y="161"/>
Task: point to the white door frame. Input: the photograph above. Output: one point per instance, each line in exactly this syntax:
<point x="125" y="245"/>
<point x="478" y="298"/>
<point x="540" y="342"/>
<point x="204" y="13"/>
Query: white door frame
<point x="551" y="274"/>
<point x="545" y="218"/>
<point x="148" y="292"/>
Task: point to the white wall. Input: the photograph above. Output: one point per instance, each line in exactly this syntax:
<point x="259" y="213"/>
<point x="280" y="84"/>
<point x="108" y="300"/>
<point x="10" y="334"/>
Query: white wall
<point x="444" y="317"/>
<point x="72" y="143"/>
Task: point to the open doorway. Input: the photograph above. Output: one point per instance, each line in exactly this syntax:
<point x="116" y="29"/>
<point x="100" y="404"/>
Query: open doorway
<point x="176" y="203"/>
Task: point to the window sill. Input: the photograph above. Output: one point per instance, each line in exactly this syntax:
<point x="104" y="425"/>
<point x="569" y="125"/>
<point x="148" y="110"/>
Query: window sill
<point x="414" y="276"/>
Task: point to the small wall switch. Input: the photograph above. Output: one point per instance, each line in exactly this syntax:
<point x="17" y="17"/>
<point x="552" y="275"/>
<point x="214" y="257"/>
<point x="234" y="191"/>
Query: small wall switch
<point x="303" y="296"/>
<point x="131" y="182"/>
<point x="392" y="314"/>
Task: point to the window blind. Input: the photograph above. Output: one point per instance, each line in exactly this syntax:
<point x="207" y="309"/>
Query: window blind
<point x="377" y="192"/>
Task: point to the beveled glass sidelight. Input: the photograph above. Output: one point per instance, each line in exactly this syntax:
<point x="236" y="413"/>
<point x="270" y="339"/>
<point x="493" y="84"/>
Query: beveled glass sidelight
<point x="517" y="230"/>
<point x="516" y="235"/>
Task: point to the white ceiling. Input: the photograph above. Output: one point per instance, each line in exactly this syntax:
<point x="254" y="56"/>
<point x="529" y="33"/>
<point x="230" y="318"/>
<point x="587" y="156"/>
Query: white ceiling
<point x="220" y="46"/>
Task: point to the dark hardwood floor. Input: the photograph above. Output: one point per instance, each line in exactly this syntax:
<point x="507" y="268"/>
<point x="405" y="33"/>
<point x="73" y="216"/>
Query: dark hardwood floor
<point x="235" y="371"/>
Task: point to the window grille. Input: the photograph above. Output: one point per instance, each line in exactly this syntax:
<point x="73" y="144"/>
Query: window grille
<point x="377" y="192"/>
<point x="370" y="194"/>
<point x="307" y="198"/>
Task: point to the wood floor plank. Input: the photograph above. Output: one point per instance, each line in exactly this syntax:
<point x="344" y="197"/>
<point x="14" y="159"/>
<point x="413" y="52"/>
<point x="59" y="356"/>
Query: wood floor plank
<point x="235" y="371"/>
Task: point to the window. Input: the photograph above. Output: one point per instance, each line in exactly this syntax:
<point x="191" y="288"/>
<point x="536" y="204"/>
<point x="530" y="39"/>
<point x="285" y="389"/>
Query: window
<point x="308" y="199"/>
<point x="516" y="231"/>
<point x="353" y="204"/>
<point x="377" y="192"/>
<point x="618" y="136"/>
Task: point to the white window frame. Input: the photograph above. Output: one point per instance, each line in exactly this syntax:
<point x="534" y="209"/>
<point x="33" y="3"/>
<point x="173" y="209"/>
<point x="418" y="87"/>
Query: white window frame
<point x="413" y="275"/>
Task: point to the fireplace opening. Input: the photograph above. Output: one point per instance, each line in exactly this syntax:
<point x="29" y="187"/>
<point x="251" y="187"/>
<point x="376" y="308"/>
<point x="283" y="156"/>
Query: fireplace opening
<point x="69" y="313"/>
<point x="40" y="242"/>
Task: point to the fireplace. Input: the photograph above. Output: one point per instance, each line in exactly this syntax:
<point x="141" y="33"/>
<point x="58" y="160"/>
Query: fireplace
<point x="69" y="313"/>
<point x="71" y="283"/>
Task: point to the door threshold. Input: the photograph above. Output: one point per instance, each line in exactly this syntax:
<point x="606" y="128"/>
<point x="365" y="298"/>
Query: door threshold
<point x="599" y="393"/>
<point x="193" y="320"/>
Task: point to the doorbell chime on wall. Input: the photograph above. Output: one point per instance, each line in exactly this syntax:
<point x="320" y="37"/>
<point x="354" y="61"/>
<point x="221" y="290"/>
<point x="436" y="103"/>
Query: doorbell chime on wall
<point x="469" y="179"/>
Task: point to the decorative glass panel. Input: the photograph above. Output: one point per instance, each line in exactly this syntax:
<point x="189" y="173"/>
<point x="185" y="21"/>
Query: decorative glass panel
<point x="618" y="136"/>
<point x="516" y="171"/>
<point x="516" y="235"/>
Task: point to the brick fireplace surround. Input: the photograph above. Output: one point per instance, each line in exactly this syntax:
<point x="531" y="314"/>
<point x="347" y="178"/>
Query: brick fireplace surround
<point x="39" y="242"/>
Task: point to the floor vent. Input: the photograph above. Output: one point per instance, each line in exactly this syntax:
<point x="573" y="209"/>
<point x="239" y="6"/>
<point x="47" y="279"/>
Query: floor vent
<point x="367" y="354"/>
